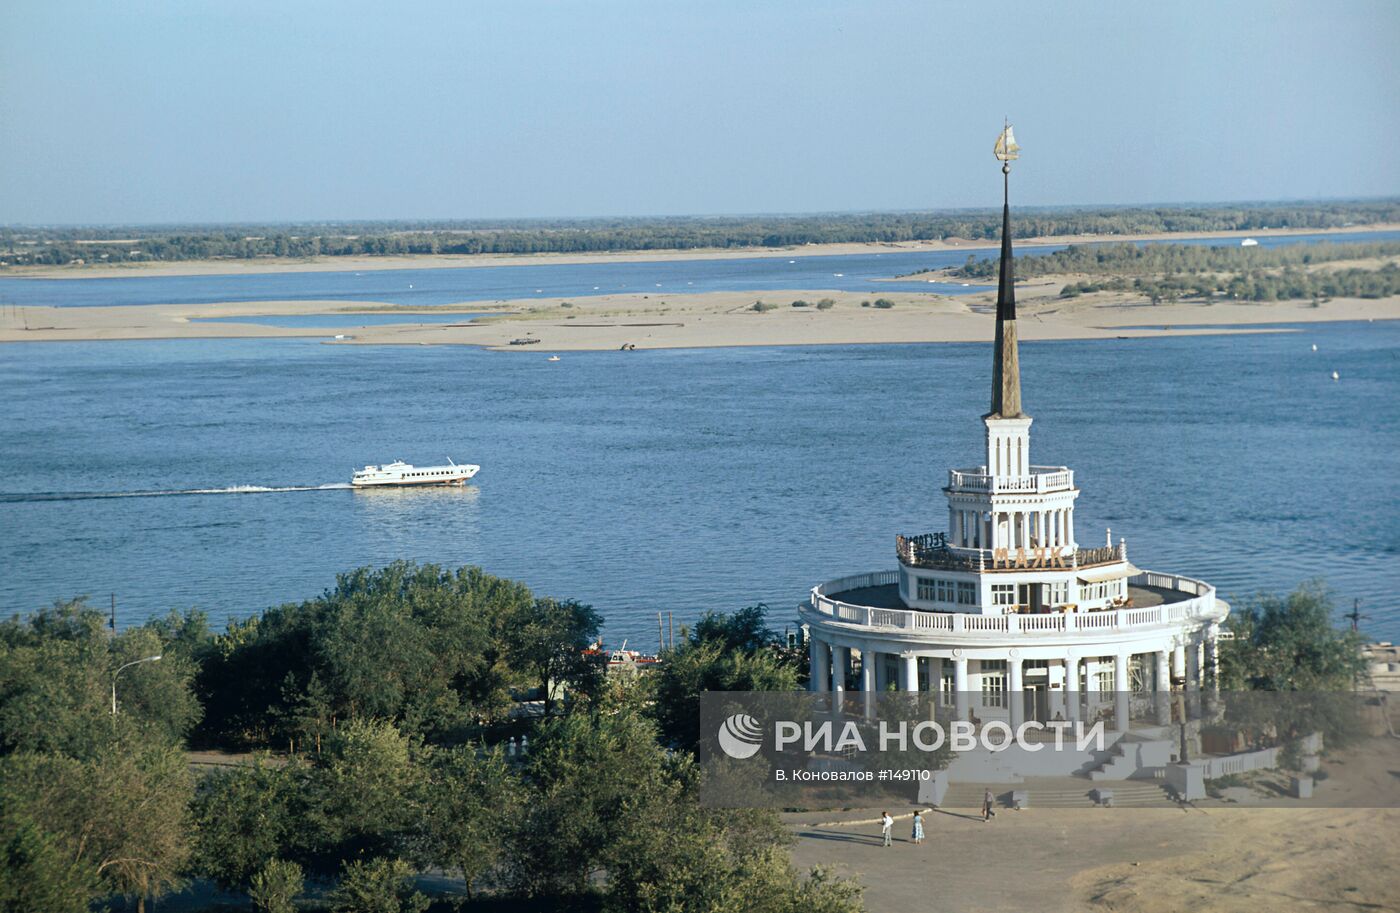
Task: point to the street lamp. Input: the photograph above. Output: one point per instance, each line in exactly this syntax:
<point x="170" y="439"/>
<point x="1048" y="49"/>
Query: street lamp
<point x="134" y="662"/>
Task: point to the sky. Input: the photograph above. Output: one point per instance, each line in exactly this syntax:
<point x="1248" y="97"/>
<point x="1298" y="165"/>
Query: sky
<point x="149" y="112"/>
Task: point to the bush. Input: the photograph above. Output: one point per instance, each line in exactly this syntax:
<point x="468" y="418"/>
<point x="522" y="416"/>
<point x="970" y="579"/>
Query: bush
<point x="378" y="886"/>
<point x="865" y="304"/>
<point x="275" y="886"/>
<point x="799" y="303"/>
<point x="825" y="304"/>
<point x="761" y="306"/>
<point x="884" y="303"/>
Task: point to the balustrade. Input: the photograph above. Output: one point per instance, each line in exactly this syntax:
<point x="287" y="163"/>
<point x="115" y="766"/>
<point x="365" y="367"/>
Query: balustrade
<point x="1195" y="606"/>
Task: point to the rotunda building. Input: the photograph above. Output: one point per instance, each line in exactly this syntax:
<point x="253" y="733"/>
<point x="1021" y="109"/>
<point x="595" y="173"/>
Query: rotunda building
<point x="1004" y="613"/>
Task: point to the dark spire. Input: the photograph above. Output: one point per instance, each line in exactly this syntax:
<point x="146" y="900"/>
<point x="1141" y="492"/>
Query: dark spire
<point x="1006" y="366"/>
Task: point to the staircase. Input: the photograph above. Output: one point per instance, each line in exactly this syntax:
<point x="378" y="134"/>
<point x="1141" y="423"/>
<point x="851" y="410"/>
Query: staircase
<point x="1059" y="792"/>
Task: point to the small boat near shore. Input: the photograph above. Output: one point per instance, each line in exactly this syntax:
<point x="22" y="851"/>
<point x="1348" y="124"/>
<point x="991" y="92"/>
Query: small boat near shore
<point x="401" y="474"/>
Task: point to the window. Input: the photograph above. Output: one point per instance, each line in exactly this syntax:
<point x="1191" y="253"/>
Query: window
<point x="947" y="686"/>
<point x="967" y="592"/>
<point x="1003" y="594"/>
<point x="926" y="589"/>
<point x="947" y="591"/>
<point x="993" y="683"/>
<point x="1058" y="593"/>
<point x="1104" y="677"/>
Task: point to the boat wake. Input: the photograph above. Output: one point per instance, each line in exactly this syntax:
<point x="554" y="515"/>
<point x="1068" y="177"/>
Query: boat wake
<point x="18" y="497"/>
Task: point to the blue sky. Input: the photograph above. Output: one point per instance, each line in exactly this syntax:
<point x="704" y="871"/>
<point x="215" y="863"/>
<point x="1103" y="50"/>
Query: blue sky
<point x="248" y="110"/>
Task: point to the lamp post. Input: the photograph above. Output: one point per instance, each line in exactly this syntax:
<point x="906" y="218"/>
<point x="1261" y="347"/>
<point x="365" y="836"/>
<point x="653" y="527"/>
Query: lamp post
<point x="134" y="662"/>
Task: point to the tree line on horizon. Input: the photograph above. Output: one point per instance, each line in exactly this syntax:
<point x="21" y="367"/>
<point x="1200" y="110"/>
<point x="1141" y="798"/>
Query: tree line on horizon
<point x="1174" y="271"/>
<point x="121" y="244"/>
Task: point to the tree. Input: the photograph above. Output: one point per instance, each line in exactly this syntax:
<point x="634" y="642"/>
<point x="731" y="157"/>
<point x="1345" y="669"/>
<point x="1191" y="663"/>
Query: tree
<point x="36" y="873"/>
<point x="56" y="669"/>
<point x="245" y="818"/>
<point x="123" y="814"/>
<point x="469" y="801"/>
<point x="734" y="652"/>
<point x="548" y="639"/>
<point x="377" y="886"/>
<point x="364" y="784"/>
<point x="586" y="772"/>
<point x="1288" y="672"/>
<point x="1289" y="644"/>
<point x="275" y="886"/>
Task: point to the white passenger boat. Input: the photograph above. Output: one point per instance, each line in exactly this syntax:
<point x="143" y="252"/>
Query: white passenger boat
<point x="401" y="473"/>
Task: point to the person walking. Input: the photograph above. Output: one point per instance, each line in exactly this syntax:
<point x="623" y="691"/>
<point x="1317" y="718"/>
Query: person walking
<point x="988" y="813"/>
<point x="887" y="827"/>
<point x="918" y="827"/>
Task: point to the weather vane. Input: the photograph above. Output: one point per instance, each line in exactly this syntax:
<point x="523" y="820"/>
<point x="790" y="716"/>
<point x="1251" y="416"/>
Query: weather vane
<point x="1006" y="149"/>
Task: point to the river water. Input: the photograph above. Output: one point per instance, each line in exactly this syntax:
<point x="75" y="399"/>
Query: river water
<point x="212" y="473"/>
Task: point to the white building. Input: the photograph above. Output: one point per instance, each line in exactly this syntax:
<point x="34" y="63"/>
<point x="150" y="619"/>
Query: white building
<point x="1005" y="614"/>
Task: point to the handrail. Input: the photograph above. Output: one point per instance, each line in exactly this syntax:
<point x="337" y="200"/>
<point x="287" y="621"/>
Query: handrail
<point x="931" y="551"/>
<point x="1042" y="479"/>
<point x="1201" y="604"/>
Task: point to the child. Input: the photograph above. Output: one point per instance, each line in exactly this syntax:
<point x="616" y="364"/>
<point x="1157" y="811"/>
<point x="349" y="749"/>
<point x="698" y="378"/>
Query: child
<point x="918" y="827"/>
<point x="887" y="827"/>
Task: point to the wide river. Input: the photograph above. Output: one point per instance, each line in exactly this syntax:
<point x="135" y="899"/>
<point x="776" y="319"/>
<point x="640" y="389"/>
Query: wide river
<point x="680" y="480"/>
<point x="867" y="273"/>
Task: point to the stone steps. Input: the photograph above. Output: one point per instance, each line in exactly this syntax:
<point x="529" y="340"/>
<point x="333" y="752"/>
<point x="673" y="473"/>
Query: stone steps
<point x="1061" y="794"/>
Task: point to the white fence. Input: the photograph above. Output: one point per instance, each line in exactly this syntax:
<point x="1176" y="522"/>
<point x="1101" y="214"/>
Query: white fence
<point x="1215" y="768"/>
<point x="1200" y="604"/>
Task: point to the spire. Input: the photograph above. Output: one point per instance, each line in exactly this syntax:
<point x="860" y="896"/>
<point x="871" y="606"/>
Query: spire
<point x="1006" y="366"/>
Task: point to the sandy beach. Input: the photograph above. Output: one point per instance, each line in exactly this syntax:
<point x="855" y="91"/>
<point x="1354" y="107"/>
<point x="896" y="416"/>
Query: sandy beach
<point x="707" y="320"/>
<point x="445" y="261"/>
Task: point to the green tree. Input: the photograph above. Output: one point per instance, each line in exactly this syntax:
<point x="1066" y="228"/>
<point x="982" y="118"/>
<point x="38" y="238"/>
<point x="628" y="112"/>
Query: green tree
<point x="547" y="641"/>
<point x="364" y="784"/>
<point x="377" y="886"/>
<point x="733" y="652"/>
<point x="275" y="886"/>
<point x="36" y="873"/>
<point x="123" y="814"/>
<point x="245" y="818"/>
<point x="468" y="802"/>
<point x="1290" y="644"/>
<point x="586" y="772"/>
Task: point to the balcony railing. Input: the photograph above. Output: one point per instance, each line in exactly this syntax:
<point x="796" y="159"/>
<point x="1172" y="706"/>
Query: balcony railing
<point x="931" y="550"/>
<point x="1198" y="603"/>
<point x="1042" y="479"/>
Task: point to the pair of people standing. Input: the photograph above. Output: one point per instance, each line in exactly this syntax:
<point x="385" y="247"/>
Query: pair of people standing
<point x="887" y="828"/>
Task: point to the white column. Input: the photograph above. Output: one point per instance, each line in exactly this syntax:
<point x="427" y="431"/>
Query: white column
<point x="908" y="672"/>
<point x="840" y="667"/>
<point x="960" y="686"/>
<point x="1193" y="678"/>
<point x="820" y="655"/>
<point x="1015" y="697"/>
<point x="1179" y="661"/>
<point x="1072" y="688"/>
<point x="1122" y="685"/>
<point x="1213" y="656"/>
<point x="867" y="680"/>
<point x="1163" y="688"/>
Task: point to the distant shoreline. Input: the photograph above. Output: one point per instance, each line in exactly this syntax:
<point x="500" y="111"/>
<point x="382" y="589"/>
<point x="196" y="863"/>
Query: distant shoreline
<point x="451" y="261"/>
<point x="704" y="320"/>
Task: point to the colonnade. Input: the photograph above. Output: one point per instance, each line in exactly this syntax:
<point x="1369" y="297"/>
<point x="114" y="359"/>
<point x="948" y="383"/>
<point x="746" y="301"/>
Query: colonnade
<point x="832" y="666"/>
<point x="1020" y="529"/>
